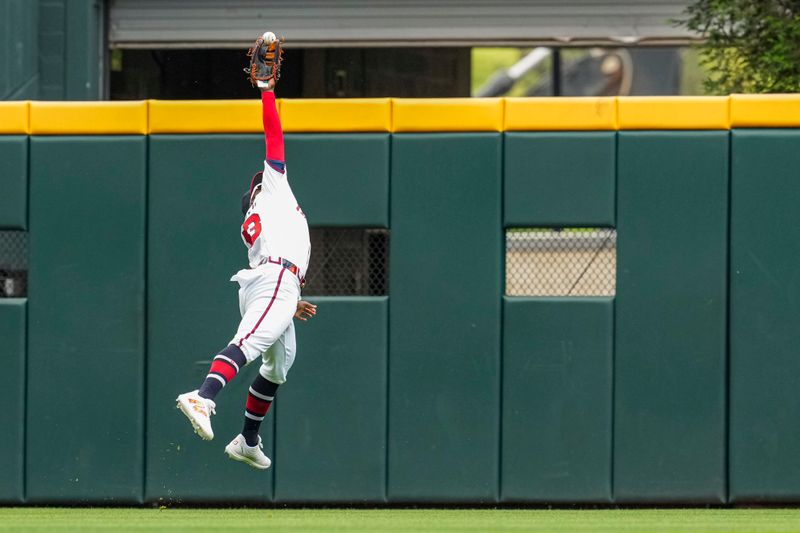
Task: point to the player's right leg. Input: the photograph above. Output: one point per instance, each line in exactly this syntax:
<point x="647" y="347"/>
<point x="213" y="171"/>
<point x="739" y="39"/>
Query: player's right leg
<point x="277" y="361"/>
<point x="266" y="336"/>
<point x="239" y="450"/>
<point x="247" y="446"/>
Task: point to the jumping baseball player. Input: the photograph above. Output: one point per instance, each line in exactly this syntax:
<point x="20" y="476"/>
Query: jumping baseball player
<point x="276" y="235"/>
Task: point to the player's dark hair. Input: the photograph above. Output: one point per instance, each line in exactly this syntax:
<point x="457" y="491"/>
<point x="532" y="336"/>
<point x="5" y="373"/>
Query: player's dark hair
<point x="255" y="182"/>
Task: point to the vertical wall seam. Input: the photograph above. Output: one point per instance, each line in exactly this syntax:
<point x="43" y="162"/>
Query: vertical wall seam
<point x="26" y="349"/>
<point x="727" y="351"/>
<point x="145" y="312"/>
<point x="388" y="316"/>
<point x="24" y="453"/>
<point x="272" y="497"/>
<point x="501" y="296"/>
<point x="612" y="495"/>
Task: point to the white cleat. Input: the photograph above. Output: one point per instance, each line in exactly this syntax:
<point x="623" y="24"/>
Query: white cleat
<point x="198" y="410"/>
<point x="238" y="450"/>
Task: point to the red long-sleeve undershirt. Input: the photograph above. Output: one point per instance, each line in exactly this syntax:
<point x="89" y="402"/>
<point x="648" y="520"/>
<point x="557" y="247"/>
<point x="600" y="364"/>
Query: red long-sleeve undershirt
<point x="273" y="132"/>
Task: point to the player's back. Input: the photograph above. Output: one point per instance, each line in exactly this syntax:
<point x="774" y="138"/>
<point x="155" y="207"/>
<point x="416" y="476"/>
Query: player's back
<point x="275" y="226"/>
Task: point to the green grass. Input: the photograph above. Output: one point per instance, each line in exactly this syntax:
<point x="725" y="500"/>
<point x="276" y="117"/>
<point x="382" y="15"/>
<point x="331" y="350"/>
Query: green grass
<point x="394" y="520"/>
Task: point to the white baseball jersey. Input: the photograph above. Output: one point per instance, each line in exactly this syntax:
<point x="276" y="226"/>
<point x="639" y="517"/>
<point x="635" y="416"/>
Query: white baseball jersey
<point x="275" y="226"/>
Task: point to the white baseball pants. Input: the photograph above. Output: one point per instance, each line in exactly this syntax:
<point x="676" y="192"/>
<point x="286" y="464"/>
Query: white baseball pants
<point x="268" y="297"/>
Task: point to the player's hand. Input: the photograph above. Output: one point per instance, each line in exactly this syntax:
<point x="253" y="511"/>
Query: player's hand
<point x="270" y="86"/>
<point x="305" y="310"/>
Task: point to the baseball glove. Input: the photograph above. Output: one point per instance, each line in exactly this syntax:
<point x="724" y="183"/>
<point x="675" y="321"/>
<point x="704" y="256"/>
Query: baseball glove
<point x="265" y="56"/>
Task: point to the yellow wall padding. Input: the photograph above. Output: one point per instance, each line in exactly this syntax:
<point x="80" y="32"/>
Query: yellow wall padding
<point x="206" y="116"/>
<point x="560" y="113"/>
<point x="447" y="114"/>
<point x="88" y="118"/>
<point x="673" y="113"/>
<point x="334" y="115"/>
<point x="14" y="117"/>
<point x="404" y="115"/>
<point x="765" y="111"/>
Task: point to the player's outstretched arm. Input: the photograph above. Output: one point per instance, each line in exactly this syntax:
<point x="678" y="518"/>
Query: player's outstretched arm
<point x="273" y="132"/>
<point x="266" y="56"/>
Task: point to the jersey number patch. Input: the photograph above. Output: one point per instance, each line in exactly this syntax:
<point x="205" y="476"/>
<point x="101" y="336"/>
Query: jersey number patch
<point x="251" y="228"/>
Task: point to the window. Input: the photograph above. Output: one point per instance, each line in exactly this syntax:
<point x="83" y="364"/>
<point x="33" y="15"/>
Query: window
<point x="13" y="264"/>
<point x="348" y="262"/>
<point x="561" y="262"/>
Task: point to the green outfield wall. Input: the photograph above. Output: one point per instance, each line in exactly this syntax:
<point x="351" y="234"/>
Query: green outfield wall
<point x="680" y="388"/>
<point x="51" y="49"/>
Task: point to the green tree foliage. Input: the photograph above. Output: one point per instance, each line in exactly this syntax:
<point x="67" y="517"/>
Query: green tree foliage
<point x="751" y="46"/>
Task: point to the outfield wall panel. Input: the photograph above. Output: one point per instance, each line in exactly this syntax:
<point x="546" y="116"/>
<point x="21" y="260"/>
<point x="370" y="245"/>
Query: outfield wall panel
<point x="559" y="179"/>
<point x="444" y="340"/>
<point x="12" y="397"/>
<point x="13" y="182"/>
<point x="341" y="179"/>
<point x="331" y="413"/>
<point x="195" y="246"/>
<point x="85" y="416"/>
<point x="765" y="246"/>
<point x="557" y="399"/>
<point x="671" y="354"/>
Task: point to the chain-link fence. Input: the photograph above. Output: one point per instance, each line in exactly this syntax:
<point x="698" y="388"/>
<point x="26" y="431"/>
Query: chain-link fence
<point x="561" y="262"/>
<point x="13" y="264"/>
<point x="355" y="262"/>
<point x="348" y="262"/>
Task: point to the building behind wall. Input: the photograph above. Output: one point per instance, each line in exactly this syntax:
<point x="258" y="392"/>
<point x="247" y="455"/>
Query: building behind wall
<point x="188" y="49"/>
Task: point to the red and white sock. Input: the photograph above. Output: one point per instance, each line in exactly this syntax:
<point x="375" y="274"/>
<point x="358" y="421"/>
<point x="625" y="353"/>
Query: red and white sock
<point x="259" y="399"/>
<point x="223" y="369"/>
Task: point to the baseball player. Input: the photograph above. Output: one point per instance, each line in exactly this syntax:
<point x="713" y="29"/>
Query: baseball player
<point x="276" y="235"/>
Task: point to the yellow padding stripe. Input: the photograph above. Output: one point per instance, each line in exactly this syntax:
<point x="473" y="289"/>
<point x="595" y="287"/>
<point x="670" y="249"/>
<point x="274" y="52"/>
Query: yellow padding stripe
<point x="765" y="111"/>
<point x="90" y="118"/>
<point x="337" y="115"/>
<point x="206" y="116"/>
<point x="673" y="113"/>
<point x="403" y="115"/>
<point x="447" y="114"/>
<point x="14" y="117"/>
<point x="560" y="113"/>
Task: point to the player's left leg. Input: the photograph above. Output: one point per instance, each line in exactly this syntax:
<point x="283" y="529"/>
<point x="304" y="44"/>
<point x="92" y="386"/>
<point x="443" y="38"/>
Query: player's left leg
<point x="198" y="405"/>
<point x="276" y="363"/>
<point x="224" y="367"/>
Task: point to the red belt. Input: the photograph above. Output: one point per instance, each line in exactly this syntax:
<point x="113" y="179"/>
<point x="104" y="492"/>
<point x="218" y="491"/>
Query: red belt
<point x="285" y="263"/>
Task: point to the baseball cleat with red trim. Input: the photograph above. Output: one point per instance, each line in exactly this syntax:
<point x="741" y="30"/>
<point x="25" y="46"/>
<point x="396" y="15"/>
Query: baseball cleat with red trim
<point x="198" y="410"/>
<point x="238" y="450"/>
